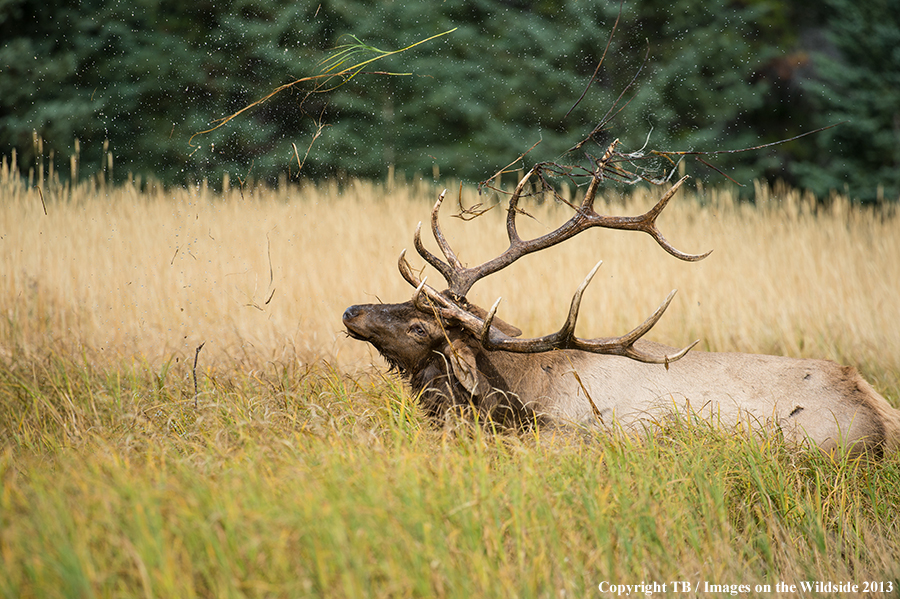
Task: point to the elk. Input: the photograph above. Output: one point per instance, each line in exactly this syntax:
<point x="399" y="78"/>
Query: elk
<point x="458" y="357"/>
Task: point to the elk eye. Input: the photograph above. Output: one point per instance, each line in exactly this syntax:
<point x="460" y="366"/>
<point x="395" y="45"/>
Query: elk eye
<point x="417" y="330"/>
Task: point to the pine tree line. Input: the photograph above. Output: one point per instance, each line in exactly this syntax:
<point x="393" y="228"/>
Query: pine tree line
<point x="145" y="76"/>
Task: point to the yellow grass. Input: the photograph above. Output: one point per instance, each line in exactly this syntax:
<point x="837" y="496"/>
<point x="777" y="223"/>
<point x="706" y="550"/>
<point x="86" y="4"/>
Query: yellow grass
<point x="278" y="475"/>
<point x="264" y="275"/>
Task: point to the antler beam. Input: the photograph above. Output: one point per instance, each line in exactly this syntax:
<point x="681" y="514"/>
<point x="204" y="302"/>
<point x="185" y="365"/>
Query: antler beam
<point x="460" y="279"/>
<point x="565" y="338"/>
<point x="493" y="339"/>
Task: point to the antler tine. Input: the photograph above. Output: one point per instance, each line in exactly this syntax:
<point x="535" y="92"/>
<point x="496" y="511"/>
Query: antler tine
<point x="439" y="236"/>
<point x="442" y="267"/>
<point x="438" y="301"/>
<point x="417" y="296"/>
<point x="511" y="230"/>
<point x="587" y="203"/>
<point x="406" y="270"/>
<point x="651" y="359"/>
<point x="642" y="329"/>
<point x="565" y="338"/>
<point x="562" y="339"/>
<point x="486" y="328"/>
<point x="568" y="329"/>
<point x="649" y="218"/>
<point x="584" y="218"/>
<point x="411" y="278"/>
<point x="452" y="270"/>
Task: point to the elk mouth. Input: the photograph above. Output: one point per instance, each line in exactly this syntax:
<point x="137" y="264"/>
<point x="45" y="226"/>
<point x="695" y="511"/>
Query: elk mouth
<point x="354" y="335"/>
<point x="348" y="317"/>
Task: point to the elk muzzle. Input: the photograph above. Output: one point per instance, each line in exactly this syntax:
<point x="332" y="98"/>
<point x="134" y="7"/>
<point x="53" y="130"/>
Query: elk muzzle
<point x="354" y="322"/>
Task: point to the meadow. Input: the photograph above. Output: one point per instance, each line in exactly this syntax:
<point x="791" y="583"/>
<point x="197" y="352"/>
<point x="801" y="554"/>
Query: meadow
<point x="181" y="414"/>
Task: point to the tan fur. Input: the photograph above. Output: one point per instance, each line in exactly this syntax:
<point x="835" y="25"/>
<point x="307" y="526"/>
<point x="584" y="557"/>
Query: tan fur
<point x="809" y="401"/>
<point x="813" y="402"/>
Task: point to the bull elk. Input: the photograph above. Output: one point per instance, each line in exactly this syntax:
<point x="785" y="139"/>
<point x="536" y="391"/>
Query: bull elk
<point x="457" y="356"/>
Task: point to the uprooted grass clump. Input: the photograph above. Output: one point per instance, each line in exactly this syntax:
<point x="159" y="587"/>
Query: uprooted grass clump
<point x="300" y="480"/>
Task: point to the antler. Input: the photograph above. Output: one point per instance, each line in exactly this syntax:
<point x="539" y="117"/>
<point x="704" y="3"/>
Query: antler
<point x="452" y="304"/>
<point x="440" y="303"/>
<point x="565" y="338"/>
<point x="460" y="279"/>
<point x="493" y="339"/>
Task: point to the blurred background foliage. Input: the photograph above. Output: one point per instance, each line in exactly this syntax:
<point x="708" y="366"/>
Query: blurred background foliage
<point x="720" y="74"/>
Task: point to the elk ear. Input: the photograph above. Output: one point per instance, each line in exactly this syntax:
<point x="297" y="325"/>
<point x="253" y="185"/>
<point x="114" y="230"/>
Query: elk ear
<point x="465" y="367"/>
<point x="500" y="325"/>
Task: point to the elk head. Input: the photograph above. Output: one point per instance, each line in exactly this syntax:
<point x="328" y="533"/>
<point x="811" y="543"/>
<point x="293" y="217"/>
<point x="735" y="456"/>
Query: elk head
<point x="451" y="306"/>
<point x="408" y="335"/>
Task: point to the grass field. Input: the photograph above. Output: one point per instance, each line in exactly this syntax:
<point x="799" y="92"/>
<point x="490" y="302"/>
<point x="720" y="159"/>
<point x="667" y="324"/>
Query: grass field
<point x="296" y="467"/>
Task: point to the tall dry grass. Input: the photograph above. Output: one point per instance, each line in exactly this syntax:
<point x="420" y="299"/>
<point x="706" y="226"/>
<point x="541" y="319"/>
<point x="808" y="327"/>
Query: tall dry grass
<point x="259" y="274"/>
<point x="277" y="475"/>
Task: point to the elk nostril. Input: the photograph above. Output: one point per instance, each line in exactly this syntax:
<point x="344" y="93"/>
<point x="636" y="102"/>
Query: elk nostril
<point x="351" y="313"/>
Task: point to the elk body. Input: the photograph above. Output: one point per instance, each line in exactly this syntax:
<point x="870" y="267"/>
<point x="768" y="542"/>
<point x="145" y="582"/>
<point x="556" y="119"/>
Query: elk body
<point x="456" y="356"/>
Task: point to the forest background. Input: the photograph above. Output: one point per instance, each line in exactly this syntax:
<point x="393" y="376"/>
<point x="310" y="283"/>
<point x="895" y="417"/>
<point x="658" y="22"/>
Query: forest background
<point x="90" y="80"/>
